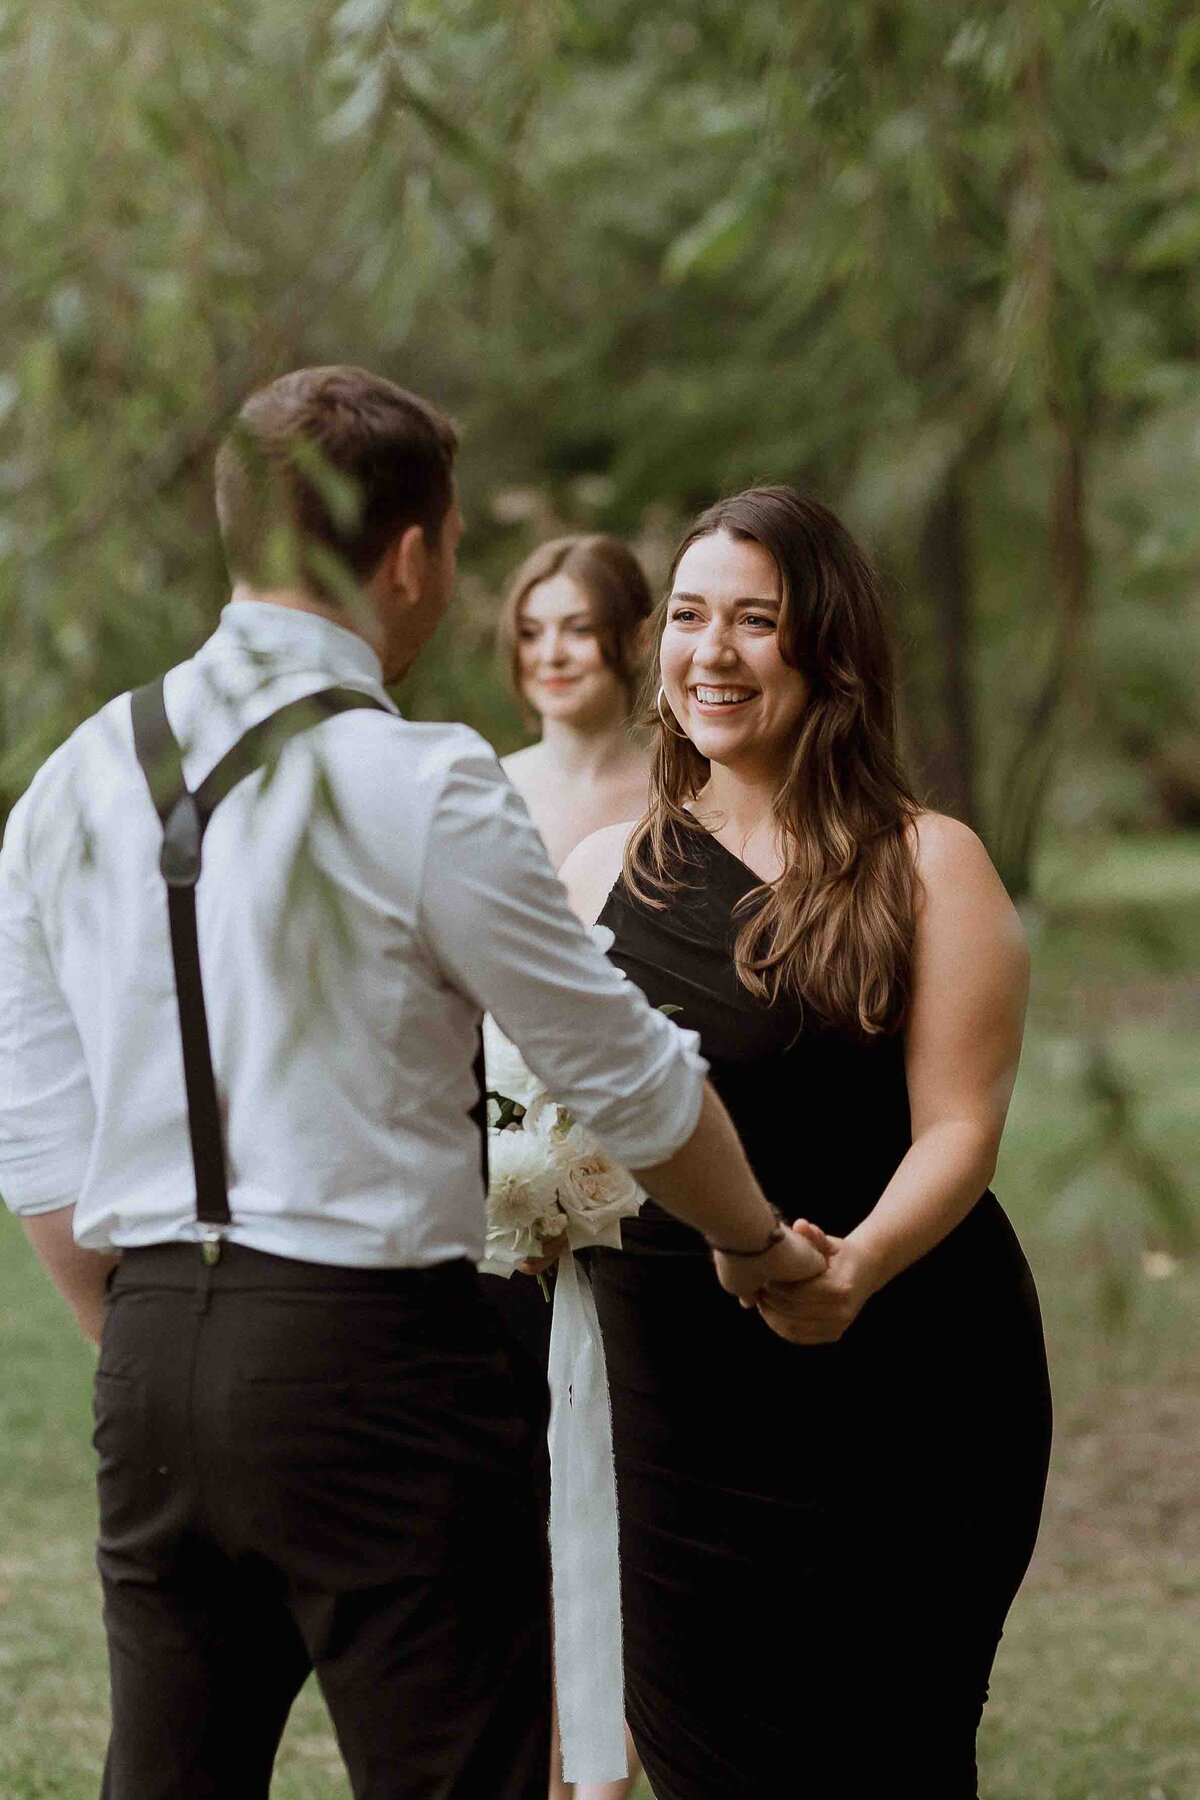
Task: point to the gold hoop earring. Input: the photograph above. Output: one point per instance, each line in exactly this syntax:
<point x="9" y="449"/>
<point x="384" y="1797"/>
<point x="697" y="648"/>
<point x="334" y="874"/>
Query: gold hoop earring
<point x="668" y="722"/>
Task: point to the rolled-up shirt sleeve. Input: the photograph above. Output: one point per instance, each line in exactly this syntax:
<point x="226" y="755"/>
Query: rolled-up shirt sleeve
<point x="47" y="1114"/>
<point x="496" y="918"/>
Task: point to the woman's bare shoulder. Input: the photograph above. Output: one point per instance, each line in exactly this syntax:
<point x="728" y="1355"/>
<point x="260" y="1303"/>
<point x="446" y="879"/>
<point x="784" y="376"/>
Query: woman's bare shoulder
<point x="947" y="852"/>
<point x="962" y="893"/>
<point x="943" y="843"/>
<point x="593" y="866"/>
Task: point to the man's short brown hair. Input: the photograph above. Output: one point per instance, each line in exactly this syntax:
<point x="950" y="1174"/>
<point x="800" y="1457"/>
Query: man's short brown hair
<point x="322" y="470"/>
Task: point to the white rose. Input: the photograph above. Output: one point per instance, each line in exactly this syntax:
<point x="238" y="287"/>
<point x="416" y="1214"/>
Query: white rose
<point x="595" y="1192"/>
<point x="506" y="1069"/>
<point x="522" y="1205"/>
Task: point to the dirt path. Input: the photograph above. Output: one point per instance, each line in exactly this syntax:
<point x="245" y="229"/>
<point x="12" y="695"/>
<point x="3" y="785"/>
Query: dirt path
<point x="1124" y="1496"/>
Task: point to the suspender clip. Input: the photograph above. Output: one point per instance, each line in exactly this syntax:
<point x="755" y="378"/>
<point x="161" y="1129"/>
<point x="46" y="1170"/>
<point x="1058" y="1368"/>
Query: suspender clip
<point x="210" y="1246"/>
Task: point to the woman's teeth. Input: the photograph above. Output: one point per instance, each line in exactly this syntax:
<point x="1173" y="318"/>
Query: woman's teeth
<point x="722" y="696"/>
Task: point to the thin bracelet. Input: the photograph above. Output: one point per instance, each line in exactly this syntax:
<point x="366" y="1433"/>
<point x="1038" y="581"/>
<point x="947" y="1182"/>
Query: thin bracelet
<point x="777" y="1232"/>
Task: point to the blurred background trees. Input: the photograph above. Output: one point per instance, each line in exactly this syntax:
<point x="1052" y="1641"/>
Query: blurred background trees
<point x="940" y="265"/>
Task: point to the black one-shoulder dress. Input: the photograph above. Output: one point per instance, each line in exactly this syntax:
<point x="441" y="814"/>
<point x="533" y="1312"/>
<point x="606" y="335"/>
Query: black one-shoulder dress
<point x="819" y="1544"/>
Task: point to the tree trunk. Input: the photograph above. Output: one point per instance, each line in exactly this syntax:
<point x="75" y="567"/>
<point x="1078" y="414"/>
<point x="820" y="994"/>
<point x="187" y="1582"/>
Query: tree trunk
<point x="1026" y="788"/>
<point x="1028" y="777"/>
<point x="949" y="753"/>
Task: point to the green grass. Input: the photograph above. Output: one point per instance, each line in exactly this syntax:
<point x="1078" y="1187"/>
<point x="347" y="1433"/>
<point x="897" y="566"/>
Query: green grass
<point x="1093" y="1699"/>
<point x="1094" y="1691"/>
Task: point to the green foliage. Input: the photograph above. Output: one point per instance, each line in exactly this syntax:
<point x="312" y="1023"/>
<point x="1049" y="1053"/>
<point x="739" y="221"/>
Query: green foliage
<point x="503" y="1112"/>
<point x="1101" y="1133"/>
<point x="892" y="251"/>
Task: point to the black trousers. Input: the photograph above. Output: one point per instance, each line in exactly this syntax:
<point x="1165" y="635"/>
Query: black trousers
<point x="306" y="1467"/>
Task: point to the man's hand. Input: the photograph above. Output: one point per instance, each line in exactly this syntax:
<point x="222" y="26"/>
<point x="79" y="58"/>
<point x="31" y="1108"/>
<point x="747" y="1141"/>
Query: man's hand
<point x="81" y="1276"/>
<point x="793" y="1259"/>
<point x="821" y="1310"/>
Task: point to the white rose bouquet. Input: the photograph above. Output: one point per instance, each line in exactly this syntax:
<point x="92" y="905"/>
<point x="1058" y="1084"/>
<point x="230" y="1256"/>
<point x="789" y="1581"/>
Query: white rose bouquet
<point x="548" y="1177"/>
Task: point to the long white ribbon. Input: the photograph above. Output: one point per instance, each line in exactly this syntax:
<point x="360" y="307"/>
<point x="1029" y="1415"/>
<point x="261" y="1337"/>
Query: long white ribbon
<point x="583" y="1539"/>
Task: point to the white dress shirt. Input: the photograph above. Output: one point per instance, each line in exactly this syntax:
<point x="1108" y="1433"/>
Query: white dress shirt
<point x="358" y="908"/>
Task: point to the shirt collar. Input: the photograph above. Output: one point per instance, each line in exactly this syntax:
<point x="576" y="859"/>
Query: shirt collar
<point x="299" y="640"/>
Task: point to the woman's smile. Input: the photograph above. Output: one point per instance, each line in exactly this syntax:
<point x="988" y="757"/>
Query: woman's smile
<point x="714" y="700"/>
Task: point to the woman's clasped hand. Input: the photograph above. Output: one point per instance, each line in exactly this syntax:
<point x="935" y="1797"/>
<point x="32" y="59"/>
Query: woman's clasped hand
<point x="822" y="1308"/>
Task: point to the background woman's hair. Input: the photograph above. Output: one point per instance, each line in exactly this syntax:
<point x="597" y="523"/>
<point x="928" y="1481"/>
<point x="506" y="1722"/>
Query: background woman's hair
<point x="836" y="930"/>
<point x="322" y="470"/>
<point x="618" y="595"/>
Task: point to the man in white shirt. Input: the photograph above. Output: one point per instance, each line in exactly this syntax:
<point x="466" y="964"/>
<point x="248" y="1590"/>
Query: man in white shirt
<point x="313" y="1447"/>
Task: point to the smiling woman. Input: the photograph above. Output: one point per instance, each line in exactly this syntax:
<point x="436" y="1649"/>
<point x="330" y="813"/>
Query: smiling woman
<point x="571" y="638"/>
<point x="856" y="1512"/>
<point x="774" y="660"/>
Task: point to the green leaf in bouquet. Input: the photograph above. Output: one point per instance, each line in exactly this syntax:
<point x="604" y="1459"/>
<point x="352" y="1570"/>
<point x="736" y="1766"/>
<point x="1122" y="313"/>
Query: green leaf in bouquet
<point x="668" y="1009"/>
<point x="503" y="1112"/>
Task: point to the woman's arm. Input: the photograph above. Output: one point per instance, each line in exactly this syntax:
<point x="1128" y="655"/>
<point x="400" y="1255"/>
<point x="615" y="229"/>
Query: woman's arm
<point x="962" y="1046"/>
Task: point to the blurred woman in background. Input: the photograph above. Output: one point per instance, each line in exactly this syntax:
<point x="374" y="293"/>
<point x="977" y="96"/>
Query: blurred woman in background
<point x="571" y="637"/>
<point x="572" y="633"/>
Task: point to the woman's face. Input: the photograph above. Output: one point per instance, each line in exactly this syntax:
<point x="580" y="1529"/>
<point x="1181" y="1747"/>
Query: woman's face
<point x="725" y="681"/>
<point x="563" y="673"/>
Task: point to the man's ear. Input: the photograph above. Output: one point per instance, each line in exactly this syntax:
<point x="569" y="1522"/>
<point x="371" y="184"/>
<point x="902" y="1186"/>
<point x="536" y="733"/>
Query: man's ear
<point x="405" y="564"/>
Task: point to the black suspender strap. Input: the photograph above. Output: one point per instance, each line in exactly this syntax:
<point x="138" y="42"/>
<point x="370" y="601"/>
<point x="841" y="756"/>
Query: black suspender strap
<point x="184" y="817"/>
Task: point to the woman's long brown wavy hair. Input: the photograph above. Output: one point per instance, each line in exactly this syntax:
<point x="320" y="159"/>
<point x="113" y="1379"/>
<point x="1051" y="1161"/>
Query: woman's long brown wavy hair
<point x="836" y="930"/>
